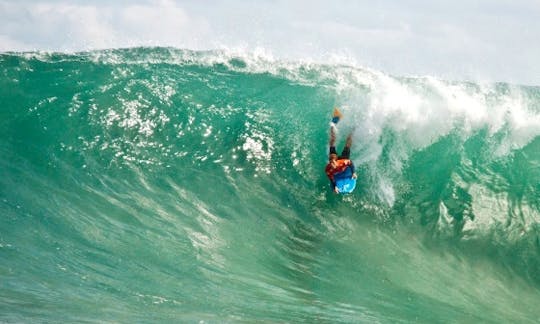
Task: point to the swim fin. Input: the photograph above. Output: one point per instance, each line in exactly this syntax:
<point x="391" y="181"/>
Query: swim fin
<point x="336" y="116"/>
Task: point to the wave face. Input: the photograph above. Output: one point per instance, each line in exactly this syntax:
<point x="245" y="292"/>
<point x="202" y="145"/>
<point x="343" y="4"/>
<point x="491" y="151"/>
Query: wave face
<point x="157" y="184"/>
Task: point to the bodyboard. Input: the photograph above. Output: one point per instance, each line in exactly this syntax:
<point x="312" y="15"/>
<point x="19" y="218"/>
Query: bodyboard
<point x="344" y="181"/>
<point x="346" y="185"/>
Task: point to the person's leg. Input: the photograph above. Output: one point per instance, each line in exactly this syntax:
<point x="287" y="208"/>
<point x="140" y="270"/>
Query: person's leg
<point x="332" y="140"/>
<point x="346" y="153"/>
<point x="348" y="143"/>
<point x="332" y="135"/>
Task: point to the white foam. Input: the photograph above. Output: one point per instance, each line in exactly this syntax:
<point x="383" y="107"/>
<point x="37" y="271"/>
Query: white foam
<point x="423" y="110"/>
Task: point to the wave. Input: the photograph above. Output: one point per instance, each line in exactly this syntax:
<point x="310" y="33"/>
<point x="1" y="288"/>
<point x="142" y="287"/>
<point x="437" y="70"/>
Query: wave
<point x="160" y="176"/>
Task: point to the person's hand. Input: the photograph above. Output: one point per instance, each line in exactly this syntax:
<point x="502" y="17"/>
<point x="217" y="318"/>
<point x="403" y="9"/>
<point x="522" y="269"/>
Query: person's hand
<point x="354" y="176"/>
<point x="336" y="190"/>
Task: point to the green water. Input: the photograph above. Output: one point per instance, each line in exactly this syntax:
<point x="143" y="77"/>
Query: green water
<point x="165" y="185"/>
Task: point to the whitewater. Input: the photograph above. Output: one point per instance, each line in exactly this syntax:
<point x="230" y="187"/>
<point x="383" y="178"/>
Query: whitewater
<point x="157" y="184"/>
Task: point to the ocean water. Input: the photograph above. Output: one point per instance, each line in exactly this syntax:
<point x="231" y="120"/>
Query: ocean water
<point x="167" y="185"/>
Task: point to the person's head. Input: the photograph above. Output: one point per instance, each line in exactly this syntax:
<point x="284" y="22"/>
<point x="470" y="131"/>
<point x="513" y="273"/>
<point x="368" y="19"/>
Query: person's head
<point x="332" y="158"/>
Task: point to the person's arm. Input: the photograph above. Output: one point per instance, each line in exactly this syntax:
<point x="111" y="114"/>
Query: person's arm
<point x="330" y="176"/>
<point x="333" y="184"/>
<point x="352" y="169"/>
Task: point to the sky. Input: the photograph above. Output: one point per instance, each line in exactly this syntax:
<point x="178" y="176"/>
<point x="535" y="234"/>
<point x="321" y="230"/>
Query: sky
<point x="476" y="40"/>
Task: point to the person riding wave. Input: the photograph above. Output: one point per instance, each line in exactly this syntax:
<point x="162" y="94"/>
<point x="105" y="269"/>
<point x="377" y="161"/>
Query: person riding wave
<point x="342" y="165"/>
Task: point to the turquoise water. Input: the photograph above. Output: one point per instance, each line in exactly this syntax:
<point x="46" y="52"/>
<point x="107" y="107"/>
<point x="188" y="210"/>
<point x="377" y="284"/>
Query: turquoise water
<point x="165" y="185"/>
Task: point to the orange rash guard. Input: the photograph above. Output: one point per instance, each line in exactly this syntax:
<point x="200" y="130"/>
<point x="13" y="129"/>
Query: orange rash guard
<point x="342" y="165"/>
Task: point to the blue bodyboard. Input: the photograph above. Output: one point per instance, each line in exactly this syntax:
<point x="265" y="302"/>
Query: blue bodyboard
<point x="344" y="181"/>
<point x="346" y="186"/>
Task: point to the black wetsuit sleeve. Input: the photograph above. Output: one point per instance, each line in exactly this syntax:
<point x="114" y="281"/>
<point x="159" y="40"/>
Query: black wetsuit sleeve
<point x="352" y="166"/>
